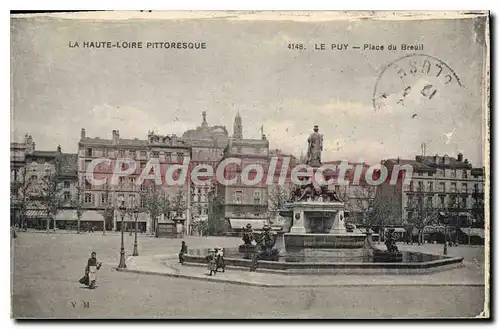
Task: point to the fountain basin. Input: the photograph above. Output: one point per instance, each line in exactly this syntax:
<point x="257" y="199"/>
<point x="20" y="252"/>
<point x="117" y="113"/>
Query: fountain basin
<point x="324" y="240"/>
<point x="327" y="261"/>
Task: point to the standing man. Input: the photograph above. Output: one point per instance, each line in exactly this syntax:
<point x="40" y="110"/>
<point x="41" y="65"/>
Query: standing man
<point x="315" y="146"/>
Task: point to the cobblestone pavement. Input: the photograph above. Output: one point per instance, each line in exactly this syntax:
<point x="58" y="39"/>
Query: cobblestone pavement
<point x="46" y="268"/>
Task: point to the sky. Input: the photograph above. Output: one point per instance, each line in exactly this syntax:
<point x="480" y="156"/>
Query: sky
<point x="56" y="90"/>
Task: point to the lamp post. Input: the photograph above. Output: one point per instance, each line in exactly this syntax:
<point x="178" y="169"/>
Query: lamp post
<point x="445" y="248"/>
<point x="122" y="249"/>
<point x="136" y="215"/>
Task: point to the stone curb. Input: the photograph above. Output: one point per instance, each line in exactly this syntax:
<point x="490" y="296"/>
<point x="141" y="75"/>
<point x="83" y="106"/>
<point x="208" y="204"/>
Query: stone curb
<point x="215" y="279"/>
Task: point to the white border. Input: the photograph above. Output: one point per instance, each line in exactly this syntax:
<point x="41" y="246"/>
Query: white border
<point x="198" y="5"/>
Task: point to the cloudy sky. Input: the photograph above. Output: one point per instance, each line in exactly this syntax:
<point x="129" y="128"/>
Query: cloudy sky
<point x="247" y="67"/>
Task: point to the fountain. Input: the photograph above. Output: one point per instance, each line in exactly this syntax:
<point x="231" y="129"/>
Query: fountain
<point x="318" y="240"/>
<point x="317" y="215"/>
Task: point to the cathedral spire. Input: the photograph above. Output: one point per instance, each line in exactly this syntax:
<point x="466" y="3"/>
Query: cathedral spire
<point x="238" y="127"/>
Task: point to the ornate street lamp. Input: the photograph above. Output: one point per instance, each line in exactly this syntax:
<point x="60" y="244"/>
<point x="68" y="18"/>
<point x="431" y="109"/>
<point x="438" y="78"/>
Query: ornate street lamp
<point x="122" y="249"/>
<point x="135" y="211"/>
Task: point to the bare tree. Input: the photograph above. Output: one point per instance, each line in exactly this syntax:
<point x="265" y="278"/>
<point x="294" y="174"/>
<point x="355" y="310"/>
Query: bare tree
<point x="20" y="197"/>
<point x="215" y="212"/>
<point x="107" y="208"/>
<point x="51" y="194"/>
<point x="178" y="204"/>
<point x="421" y="216"/>
<point x="156" y="203"/>
<point x="477" y="209"/>
<point x="278" y="198"/>
<point x="78" y="203"/>
<point x="358" y="200"/>
<point x="383" y="212"/>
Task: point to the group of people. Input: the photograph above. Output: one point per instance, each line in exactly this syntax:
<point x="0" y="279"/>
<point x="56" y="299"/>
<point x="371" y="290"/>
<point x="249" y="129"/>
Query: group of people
<point x="215" y="261"/>
<point x="215" y="258"/>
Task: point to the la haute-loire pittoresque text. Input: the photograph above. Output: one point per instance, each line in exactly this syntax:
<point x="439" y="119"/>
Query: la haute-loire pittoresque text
<point x="196" y="45"/>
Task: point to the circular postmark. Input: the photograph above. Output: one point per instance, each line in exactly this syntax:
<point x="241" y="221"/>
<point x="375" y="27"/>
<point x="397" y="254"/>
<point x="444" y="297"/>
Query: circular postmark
<point x="416" y="78"/>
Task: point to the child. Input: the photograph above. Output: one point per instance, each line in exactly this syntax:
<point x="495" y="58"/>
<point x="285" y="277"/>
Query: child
<point x="220" y="259"/>
<point x="212" y="262"/>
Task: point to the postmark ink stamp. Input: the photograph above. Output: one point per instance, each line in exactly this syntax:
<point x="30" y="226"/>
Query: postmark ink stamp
<point x="416" y="76"/>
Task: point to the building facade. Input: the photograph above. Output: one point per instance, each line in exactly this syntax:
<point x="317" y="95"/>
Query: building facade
<point x="207" y="145"/>
<point x="164" y="150"/>
<point x="31" y="171"/>
<point x="242" y="203"/>
<point x="439" y="185"/>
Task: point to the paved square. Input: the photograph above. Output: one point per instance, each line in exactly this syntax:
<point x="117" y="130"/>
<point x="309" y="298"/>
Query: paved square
<point x="46" y="269"/>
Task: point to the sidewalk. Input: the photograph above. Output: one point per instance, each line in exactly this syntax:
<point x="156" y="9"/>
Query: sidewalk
<point x="167" y="265"/>
<point x="51" y="231"/>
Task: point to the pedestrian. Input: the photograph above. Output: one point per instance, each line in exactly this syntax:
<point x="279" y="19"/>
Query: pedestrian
<point x="212" y="262"/>
<point x="90" y="276"/>
<point x="184" y="250"/>
<point x="220" y="259"/>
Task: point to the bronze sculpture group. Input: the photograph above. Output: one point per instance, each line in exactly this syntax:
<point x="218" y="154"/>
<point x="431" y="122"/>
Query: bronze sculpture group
<point x="265" y="244"/>
<point x="390" y="241"/>
<point x="310" y="192"/>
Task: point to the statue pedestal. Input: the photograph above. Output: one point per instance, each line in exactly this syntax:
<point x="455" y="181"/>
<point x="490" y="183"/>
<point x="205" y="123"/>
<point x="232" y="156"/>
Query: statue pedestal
<point x="317" y="217"/>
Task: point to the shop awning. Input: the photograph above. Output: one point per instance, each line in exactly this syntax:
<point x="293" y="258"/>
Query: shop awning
<point x="473" y="231"/>
<point x="239" y="223"/>
<point x="66" y="214"/>
<point x="36" y="213"/>
<point x="397" y="229"/>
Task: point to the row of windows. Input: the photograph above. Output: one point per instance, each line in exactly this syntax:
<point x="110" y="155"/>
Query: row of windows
<point x="89" y="199"/>
<point x="441" y="187"/>
<point x="238" y="197"/>
<point x="454" y="202"/>
<point x="89" y="152"/>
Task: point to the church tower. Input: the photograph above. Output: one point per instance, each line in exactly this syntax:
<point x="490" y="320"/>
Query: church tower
<point x="238" y="127"/>
<point x="204" y="123"/>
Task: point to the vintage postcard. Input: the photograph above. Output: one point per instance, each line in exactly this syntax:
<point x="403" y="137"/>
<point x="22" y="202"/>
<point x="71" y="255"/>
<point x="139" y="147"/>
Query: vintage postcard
<point x="250" y="165"/>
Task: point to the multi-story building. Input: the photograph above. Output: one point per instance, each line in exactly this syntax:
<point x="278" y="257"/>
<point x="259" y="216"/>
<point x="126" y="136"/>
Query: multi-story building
<point x="18" y="176"/>
<point x="244" y="203"/>
<point x="29" y="170"/>
<point x="166" y="150"/>
<point x="207" y="145"/>
<point x="439" y="185"/>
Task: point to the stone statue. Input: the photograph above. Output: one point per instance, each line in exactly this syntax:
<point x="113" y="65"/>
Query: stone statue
<point x="390" y="241"/>
<point x="266" y="252"/>
<point x="329" y="196"/>
<point x="248" y="234"/>
<point x="307" y="192"/>
<point x="315" y="146"/>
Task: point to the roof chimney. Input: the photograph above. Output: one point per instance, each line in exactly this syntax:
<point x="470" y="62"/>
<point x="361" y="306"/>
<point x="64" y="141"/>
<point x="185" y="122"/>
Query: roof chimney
<point x="82" y="134"/>
<point x="460" y="157"/>
<point x="58" y="148"/>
